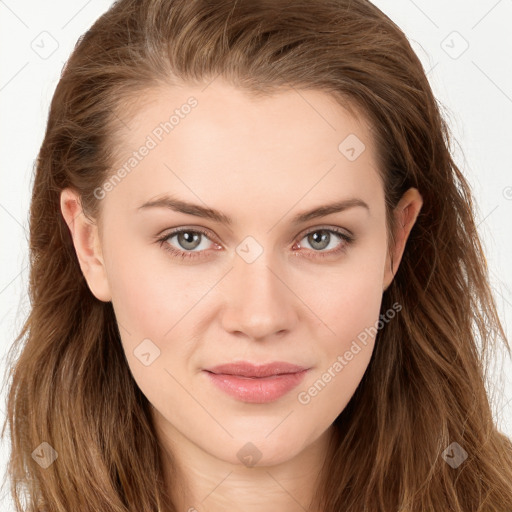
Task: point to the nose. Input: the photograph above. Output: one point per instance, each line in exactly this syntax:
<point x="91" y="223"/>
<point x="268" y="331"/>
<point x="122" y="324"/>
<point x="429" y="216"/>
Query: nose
<point x="260" y="302"/>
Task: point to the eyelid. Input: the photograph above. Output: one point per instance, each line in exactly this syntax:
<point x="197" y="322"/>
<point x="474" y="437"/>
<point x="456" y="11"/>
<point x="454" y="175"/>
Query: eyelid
<point x="166" y="233"/>
<point x="346" y="236"/>
<point x="325" y="227"/>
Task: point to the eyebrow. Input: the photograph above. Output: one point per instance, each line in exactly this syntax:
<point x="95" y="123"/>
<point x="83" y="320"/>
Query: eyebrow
<point x="178" y="205"/>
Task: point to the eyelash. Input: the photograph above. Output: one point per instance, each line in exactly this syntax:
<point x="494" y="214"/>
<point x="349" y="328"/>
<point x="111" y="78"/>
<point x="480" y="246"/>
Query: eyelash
<point x="347" y="239"/>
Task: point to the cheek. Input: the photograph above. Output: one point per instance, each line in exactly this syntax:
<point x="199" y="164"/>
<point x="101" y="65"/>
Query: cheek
<point x="147" y="301"/>
<point x="347" y="297"/>
<point x="141" y="284"/>
<point x="150" y="319"/>
<point x="348" y="303"/>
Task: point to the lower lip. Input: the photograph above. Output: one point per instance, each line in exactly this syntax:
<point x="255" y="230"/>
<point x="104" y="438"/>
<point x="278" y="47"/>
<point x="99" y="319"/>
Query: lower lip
<point x="257" y="390"/>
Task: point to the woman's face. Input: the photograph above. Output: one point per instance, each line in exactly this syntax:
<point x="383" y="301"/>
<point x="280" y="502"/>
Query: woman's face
<point x="265" y="270"/>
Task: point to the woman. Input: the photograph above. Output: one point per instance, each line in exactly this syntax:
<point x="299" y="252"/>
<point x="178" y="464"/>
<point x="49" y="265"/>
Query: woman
<point x="256" y="279"/>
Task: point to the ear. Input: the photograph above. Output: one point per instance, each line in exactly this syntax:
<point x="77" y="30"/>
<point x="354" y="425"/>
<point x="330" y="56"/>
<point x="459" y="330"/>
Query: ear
<point x="406" y="213"/>
<point x="87" y="244"/>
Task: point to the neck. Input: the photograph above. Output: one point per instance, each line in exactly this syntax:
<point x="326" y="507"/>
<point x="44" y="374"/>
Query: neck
<point x="200" y="482"/>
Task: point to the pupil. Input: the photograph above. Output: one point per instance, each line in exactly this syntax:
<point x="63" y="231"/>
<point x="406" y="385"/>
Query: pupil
<point x="188" y="238"/>
<point x="318" y="239"/>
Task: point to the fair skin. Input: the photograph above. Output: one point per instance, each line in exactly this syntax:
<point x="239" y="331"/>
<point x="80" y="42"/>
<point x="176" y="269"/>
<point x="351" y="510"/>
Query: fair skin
<point x="261" y="162"/>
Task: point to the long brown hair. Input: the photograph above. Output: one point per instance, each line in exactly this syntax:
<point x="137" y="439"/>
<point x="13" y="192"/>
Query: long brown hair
<point x="425" y="385"/>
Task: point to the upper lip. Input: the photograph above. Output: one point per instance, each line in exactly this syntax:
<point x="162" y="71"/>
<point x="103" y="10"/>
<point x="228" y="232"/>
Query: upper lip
<point x="246" y="369"/>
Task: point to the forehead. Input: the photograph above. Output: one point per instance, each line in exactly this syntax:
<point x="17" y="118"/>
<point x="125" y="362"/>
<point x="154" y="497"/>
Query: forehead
<point x="219" y="141"/>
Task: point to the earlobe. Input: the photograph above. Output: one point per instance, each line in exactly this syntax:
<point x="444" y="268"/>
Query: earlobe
<point x="87" y="244"/>
<point x="406" y="213"/>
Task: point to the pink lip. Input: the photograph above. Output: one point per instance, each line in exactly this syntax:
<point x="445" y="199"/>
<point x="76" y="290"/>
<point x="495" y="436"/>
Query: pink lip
<point x="256" y="384"/>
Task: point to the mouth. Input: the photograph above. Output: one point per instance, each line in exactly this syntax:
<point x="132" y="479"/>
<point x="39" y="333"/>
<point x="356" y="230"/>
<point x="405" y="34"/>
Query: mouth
<point x="246" y="369"/>
<point x="251" y="383"/>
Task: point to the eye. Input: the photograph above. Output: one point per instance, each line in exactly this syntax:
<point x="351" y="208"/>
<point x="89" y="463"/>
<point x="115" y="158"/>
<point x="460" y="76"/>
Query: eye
<point x="322" y="238"/>
<point x="189" y="241"/>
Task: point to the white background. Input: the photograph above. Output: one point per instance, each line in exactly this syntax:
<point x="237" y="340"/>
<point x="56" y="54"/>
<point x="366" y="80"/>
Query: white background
<point x="474" y="86"/>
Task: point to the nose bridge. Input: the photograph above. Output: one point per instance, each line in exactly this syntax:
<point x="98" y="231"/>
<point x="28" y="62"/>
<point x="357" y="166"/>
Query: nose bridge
<point x="259" y="303"/>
